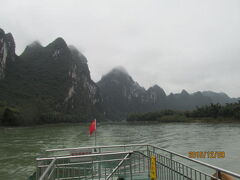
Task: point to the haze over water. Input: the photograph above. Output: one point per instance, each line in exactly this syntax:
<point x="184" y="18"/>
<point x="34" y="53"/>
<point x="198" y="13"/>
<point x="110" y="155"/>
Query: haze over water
<point x="20" y="146"/>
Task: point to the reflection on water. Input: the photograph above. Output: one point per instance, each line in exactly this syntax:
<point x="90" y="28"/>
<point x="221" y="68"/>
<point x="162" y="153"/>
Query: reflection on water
<point x="20" y="146"/>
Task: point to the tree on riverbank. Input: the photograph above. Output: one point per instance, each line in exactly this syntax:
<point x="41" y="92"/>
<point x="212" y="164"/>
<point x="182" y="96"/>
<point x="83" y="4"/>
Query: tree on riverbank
<point x="231" y="110"/>
<point x="165" y="115"/>
<point x="212" y="111"/>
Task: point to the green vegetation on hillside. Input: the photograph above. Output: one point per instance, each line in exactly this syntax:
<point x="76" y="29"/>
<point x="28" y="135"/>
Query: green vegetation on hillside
<point x="49" y="84"/>
<point x="32" y="114"/>
<point x="163" y="116"/>
<point x="52" y="84"/>
<point x="229" y="111"/>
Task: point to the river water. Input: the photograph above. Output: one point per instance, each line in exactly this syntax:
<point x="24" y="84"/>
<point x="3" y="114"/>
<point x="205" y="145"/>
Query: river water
<point x="20" y="146"/>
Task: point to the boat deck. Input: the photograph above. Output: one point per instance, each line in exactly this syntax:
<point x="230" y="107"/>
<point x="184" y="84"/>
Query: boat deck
<point x="123" y="162"/>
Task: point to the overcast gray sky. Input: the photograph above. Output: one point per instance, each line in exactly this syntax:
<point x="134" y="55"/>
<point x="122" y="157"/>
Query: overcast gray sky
<point x="177" y="44"/>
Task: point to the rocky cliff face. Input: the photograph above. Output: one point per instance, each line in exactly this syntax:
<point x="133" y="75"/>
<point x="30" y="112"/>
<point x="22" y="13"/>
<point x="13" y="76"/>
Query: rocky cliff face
<point x="82" y="90"/>
<point x="7" y="51"/>
<point x="186" y="101"/>
<point x="220" y="98"/>
<point x="156" y="98"/>
<point x="64" y="68"/>
<point x="122" y="95"/>
<point x="51" y="82"/>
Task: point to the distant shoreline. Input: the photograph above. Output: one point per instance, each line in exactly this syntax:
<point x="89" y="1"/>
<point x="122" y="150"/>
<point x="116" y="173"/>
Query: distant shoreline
<point x="109" y="122"/>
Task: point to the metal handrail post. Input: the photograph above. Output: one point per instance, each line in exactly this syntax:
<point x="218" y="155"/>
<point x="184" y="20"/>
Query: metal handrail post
<point x="37" y="171"/>
<point x="92" y="168"/>
<point x="130" y="160"/>
<point x="148" y="155"/>
<point x="171" y="174"/>
<point x="99" y="165"/>
<point x="217" y="174"/>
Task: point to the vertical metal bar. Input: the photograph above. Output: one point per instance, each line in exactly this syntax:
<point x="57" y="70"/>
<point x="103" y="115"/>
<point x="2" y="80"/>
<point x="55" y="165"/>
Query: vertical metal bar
<point x="157" y="159"/>
<point x="124" y="163"/>
<point x="171" y="166"/>
<point x="168" y="168"/>
<point x="85" y="174"/>
<point x="161" y="170"/>
<point x="183" y="170"/>
<point x="160" y="167"/>
<point x="74" y="171"/>
<point x="92" y="167"/>
<point x="178" y="170"/>
<point x="99" y="165"/>
<point x="148" y="155"/>
<point x="112" y="175"/>
<point x="63" y="170"/>
<point x="130" y="167"/>
<point x="143" y="163"/>
<point x="79" y="172"/>
<point x="41" y="171"/>
<point x="217" y="174"/>
<point x="163" y="167"/>
<point x="96" y="135"/>
<point x="191" y="173"/>
<point x="139" y="161"/>
<point x="57" y="172"/>
<point x="124" y="167"/>
<point x="37" y="171"/>
<point x="134" y="162"/>
<point x="165" y="174"/>
<point x="68" y="172"/>
<point x="174" y="164"/>
<point x="105" y="173"/>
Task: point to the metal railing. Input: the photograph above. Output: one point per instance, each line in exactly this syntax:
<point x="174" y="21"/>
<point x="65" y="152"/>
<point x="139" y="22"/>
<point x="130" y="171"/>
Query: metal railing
<point x="122" y="161"/>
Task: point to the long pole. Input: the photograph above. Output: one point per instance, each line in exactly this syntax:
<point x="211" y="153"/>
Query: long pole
<point x="96" y="132"/>
<point x="95" y="137"/>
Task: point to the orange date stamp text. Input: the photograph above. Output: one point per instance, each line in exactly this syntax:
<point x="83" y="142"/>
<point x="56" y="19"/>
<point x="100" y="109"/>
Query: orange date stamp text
<point x="206" y="154"/>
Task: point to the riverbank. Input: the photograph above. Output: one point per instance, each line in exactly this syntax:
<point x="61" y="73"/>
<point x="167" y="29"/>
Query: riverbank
<point x="208" y="113"/>
<point x="163" y="119"/>
<point x="184" y="119"/>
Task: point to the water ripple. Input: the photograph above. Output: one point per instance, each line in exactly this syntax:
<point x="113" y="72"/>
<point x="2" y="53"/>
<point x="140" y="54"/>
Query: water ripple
<point x="20" y="146"/>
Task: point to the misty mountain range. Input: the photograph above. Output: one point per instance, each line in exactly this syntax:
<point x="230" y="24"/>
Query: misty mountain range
<point x="53" y="84"/>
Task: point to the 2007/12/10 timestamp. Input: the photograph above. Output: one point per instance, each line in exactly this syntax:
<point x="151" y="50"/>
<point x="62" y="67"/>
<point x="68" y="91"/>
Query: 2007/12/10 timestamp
<point x="206" y="154"/>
